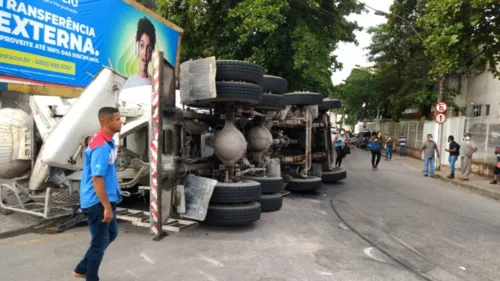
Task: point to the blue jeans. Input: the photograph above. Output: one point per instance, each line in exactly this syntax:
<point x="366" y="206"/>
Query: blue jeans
<point x="402" y="150"/>
<point x="429" y="161"/>
<point x="388" y="153"/>
<point x="452" y="159"/>
<point x="102" y="235"/>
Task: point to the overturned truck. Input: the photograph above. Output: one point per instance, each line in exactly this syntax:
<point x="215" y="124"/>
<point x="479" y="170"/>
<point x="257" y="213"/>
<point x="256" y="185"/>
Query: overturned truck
<point x="218" y="158"/>
<point x="192" y="161"/>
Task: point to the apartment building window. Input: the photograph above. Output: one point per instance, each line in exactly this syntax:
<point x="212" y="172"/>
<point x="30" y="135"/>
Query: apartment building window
<point x="487" y="110"/>
<point x="476" y="110"/>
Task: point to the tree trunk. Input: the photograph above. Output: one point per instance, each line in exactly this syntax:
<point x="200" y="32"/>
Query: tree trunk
<point x="441" y="88"/>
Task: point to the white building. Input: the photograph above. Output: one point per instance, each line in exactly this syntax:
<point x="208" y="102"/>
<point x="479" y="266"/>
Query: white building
<point x="479" y="95"/>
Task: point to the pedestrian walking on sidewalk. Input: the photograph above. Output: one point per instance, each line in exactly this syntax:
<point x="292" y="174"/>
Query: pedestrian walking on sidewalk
<point x="99" y="193"/>
<point x="496" y="170"/>
<point x="402" y="145"/>
<point x="340" y="142"/>
<point x="375" y="148"/>
<point x="467" y="149"/>
<point x="428" y="148"/>
<point x="453" y="149"/>
<point x="389" y="146"/>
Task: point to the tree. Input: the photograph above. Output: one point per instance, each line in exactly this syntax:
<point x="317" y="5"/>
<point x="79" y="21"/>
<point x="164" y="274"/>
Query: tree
<point x="400" y="63"/>
<point x="294" y="39"/>
<point x="457" y="31"/>
<point x="358" y="90"/>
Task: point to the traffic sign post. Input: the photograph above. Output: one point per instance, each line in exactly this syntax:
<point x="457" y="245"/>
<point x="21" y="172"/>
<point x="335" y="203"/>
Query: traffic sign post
<point x="440" y="118"/>
<point x="441" y="109"/>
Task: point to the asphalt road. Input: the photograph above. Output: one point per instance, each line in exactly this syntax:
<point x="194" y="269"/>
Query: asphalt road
<point x="424" y="226"/>
<point x="435" y="229"/>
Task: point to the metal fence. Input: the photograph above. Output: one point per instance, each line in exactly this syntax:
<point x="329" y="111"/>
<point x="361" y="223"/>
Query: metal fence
<point x="485" y="133"/>
<point x="413" y="130"/>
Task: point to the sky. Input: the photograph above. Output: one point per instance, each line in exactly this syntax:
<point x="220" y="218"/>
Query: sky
<point x="349" y="54"/>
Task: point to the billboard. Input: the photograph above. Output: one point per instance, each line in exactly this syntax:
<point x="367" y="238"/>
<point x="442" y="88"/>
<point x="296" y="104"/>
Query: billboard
<point x="68" y="41"/>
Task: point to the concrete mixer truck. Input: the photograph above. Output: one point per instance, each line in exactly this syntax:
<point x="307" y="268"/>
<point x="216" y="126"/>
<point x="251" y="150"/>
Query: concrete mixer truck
<point x="191" y="159"/>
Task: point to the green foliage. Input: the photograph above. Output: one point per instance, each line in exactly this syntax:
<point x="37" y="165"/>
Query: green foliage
<point x="458" y="37"/>
<point x="398" y="78"/>
<point x="294" y="39"/>
<point x="358" y="89"/>
<point x="458" y="30"/>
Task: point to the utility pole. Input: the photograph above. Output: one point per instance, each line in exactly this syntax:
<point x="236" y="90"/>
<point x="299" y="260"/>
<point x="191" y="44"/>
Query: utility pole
<point x="440" y="125"/>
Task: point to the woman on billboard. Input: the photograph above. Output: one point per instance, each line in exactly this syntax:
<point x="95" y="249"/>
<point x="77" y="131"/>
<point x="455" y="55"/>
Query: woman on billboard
<point x="145" y="41"/>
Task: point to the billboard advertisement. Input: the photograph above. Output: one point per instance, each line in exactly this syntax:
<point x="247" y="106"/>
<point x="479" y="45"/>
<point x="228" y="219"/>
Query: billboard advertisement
<point x="68" y="41"/>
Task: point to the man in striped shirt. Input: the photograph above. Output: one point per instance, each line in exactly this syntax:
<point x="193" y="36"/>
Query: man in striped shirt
<point x="402" y="145"/>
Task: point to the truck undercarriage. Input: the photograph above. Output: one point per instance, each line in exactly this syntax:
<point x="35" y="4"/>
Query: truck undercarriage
<point x="219" y="158"/>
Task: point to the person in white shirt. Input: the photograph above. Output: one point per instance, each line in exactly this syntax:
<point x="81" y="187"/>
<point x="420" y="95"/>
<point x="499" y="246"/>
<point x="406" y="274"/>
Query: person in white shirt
<point x="467" y="149"/>
<point x="144" y="46"/>
<point x="402" y="145"/>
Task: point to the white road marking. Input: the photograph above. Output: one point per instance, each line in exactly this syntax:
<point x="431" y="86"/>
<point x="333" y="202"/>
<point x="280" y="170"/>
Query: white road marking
<point x="343" y="226"/>
<point x="131" y="273"/>
<point x="462" y="268"/>
<point x="324" y="273"/>
<point x="214" y="262"/>
<point x="148" y="259"/>
<point x="409" y="247"/>
<point x="368" y="252"/>
<point x="209" y="277"/>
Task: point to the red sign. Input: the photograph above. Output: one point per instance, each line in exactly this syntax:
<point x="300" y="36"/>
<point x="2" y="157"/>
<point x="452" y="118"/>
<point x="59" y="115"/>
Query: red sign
<point x="440" y="118"/>
<point x="441" y="107"/>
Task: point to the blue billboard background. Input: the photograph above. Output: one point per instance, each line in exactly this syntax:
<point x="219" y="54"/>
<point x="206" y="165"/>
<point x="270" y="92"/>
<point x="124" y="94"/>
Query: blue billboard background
<point x="68" y="41"/>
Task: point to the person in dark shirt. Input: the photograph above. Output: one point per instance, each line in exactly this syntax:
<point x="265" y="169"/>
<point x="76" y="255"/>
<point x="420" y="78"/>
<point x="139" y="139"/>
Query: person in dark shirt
<point x="375" y="149"/>
<point x="496" y="170"/>
<point x="453" y="149"/>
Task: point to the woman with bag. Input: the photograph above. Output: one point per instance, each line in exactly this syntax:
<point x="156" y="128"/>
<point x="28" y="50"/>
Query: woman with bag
<point x="339" y="142"/>
<point x="375" y="148"/>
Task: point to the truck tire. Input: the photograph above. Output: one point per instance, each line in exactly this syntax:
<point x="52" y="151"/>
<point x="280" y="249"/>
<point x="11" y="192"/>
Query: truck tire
<point x="303" y="98"/>
<point x="271" y="202"/>
<point x="328" y="104"/>
<point x="334" y="176"/>
<point x="269" y="185"/>
<point x="232" y="70"/>
<point x="237" y="92"/>
<point x="233" y="215"/>
<point x="304" y="185"/>
<point x="271" y="102"/>
<point x="238" y="192"/>
<point x="274" y="84"/>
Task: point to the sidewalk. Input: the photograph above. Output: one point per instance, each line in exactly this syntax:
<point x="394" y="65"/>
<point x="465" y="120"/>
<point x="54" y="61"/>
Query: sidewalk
<point x="478" y="184"/>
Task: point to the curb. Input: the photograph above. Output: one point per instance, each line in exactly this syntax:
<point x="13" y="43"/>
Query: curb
<point x="474" y="188"/>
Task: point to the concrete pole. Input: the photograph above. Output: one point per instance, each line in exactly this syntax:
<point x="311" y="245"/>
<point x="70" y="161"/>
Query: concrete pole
<point x="440" y="136"/>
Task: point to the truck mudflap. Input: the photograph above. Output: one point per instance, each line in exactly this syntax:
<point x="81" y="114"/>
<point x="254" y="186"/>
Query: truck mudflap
<point x="198" y="193"/>
<point x="191" y="200"/>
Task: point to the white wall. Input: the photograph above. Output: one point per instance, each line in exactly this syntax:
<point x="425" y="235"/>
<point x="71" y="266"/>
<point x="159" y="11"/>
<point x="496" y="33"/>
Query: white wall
<point x="481" y="89"/>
